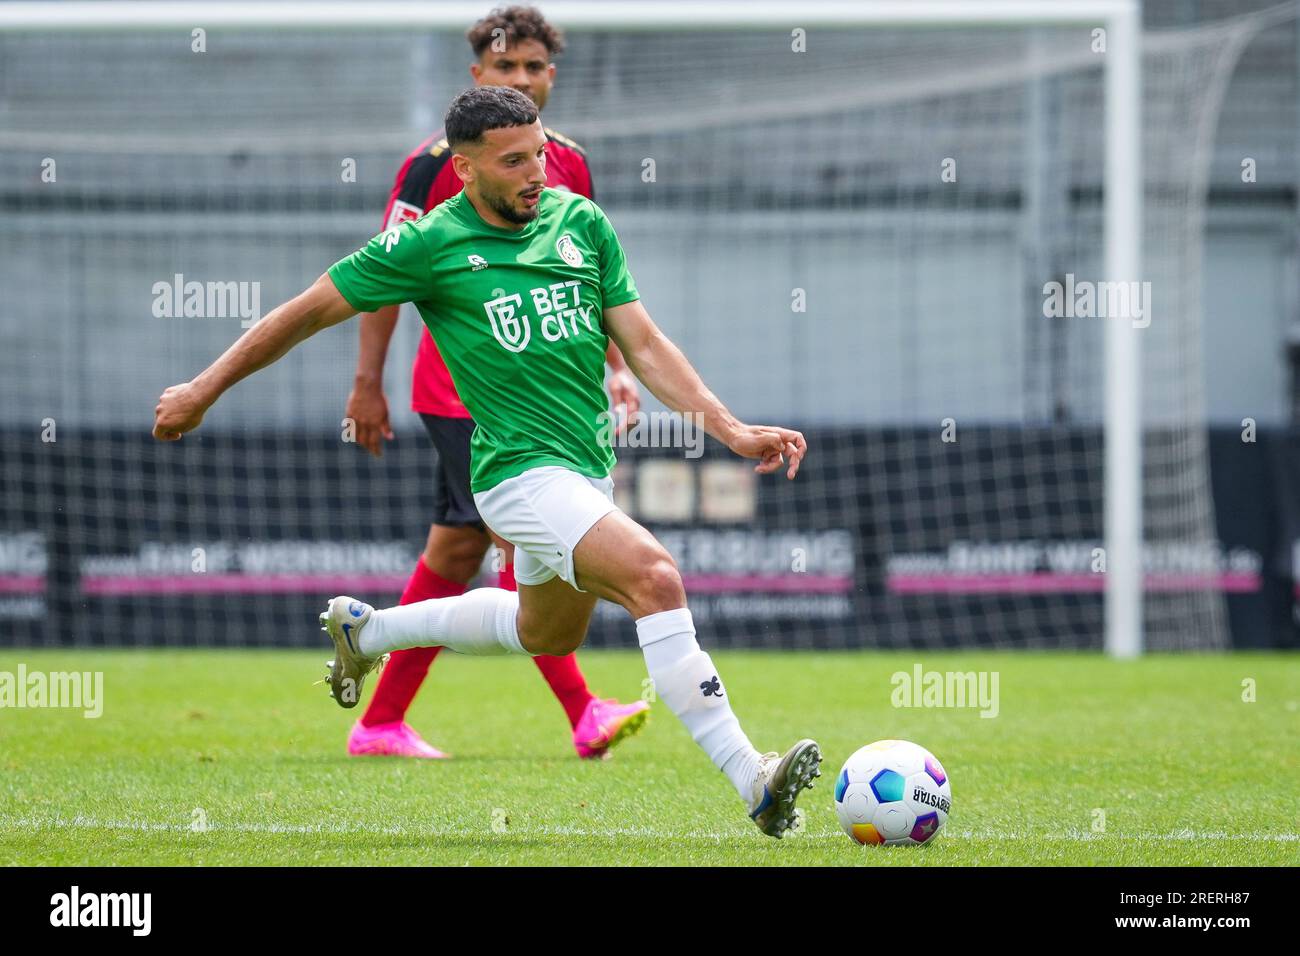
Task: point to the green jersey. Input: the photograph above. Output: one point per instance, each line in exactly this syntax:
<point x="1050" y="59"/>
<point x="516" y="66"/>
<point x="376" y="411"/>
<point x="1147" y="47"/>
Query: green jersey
<point x="518" y="318"/>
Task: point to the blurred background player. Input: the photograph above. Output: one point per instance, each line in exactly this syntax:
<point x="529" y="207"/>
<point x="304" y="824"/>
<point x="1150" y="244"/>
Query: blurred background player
<point x="513" y="47"/>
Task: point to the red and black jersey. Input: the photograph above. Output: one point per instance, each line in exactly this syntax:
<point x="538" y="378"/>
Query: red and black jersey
<point x="426" y="179"/>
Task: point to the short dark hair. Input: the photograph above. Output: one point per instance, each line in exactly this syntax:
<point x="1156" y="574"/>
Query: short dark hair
<point x="517" y="23"/>
<point x="481" y="108"/>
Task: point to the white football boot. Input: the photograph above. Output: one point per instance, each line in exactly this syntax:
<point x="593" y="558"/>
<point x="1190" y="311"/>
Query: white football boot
<point x="343" y="621"/>
<point x="779" y="782"/>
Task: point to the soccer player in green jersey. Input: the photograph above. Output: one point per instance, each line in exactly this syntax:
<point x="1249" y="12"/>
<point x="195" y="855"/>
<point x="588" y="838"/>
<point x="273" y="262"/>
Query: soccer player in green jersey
<point x="521" y="287"/>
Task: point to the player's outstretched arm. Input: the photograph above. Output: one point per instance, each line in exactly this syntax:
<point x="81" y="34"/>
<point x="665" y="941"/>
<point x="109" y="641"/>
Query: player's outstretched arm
<point x="182" y="407"/>
<point x="663" y="369"/>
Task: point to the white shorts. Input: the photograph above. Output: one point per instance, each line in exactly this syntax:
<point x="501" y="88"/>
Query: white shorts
<point x="544" y="513"/>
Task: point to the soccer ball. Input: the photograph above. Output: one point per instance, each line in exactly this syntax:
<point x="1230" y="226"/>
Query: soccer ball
<point x="892" y="793"/>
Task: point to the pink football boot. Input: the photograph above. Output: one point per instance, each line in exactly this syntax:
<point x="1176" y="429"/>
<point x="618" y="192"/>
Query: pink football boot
<point x="390" y="740"/>
<point x="605" y="723"/>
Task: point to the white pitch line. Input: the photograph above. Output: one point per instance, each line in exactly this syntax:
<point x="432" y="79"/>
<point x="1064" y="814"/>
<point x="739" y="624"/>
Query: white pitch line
<point x="86" y="823"/>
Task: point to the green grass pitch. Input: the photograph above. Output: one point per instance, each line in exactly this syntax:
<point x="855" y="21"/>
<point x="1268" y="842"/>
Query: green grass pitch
<point x="1184" y="770"/>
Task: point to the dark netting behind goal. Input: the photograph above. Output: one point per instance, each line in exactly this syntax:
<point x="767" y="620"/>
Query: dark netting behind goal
<point x="853" y="239"/>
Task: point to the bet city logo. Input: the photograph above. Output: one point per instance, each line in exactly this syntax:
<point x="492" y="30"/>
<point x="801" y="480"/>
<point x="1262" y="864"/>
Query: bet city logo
<point x="558" y="308"/>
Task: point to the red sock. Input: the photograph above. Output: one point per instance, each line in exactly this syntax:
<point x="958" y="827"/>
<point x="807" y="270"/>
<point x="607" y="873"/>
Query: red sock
<point x="562" y="673"/>
<point x="405" y="670"/>
<point x="567" y="684"/>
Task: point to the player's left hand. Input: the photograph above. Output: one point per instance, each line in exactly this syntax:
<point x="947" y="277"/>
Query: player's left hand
<point x="773" y="445"/>
<point x="179" y="410"/>
<point x="625" y="396"/>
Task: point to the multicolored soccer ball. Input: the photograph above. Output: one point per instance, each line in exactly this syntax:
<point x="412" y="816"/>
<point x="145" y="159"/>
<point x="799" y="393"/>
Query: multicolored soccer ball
<point x="892" y="793"/>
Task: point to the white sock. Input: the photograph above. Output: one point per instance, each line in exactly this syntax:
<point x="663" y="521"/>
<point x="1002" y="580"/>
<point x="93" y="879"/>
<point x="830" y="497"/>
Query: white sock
<point x="481" y="621"/>
<point x="684" y="676"/>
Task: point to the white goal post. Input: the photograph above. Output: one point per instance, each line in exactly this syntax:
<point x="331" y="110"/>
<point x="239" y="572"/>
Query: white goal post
<point x="1122" y="181"/>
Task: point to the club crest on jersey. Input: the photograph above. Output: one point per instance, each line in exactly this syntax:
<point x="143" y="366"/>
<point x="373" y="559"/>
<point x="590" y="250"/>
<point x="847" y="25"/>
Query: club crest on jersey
<point x="511" y="329"/>
<point x="568" y="251"/>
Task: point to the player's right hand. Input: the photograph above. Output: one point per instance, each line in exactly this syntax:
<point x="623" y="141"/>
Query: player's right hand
<point x="180" y="410"/>
<point x="773" y="445"/>
<point x="368" y="409"/>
